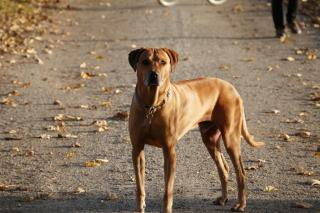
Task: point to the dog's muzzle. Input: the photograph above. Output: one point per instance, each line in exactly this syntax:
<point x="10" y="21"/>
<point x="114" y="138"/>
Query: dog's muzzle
<point x="153" y="79"/>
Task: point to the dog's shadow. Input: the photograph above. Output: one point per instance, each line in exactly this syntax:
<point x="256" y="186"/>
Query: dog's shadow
<point x="96" y="203"/>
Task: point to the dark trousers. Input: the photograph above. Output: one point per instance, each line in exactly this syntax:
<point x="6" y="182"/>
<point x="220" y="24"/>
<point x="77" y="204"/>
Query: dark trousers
<point x="277" y="12"/>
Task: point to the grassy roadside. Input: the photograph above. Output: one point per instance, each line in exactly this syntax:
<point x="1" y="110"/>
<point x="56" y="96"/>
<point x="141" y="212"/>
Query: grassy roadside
<point x="19" y="21"/>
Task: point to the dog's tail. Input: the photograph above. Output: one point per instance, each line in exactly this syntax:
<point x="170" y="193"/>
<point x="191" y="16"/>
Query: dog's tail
<point x="247" y="136"/>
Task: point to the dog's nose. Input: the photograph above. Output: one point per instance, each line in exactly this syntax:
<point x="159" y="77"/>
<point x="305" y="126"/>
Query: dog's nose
<point x="154" y="75"/>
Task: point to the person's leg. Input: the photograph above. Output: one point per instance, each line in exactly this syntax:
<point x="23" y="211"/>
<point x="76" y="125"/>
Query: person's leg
<point x="291" y="16"/>
<point x="292" y="10"/>
<point x="277" y="15"/>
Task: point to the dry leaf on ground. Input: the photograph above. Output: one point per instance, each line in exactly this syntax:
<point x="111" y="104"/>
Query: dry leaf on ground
<point x="66" y="135"/>
<point x="79" y="190"/>
<point x="83" y="65"/>
<point x="95" y="163"/>
<point x="63" y="117"/>
<point x="121" y="115"/>
<point x="270" y="189"/>
<point x="111" y="197"/>
<point x="87" y="75"/>
<point x="70" y="155"/>
<point x="45" y="136"/>
<point x="106" y="104"/>
<point x="12" y="187"/>
<point x="290" y="59"/>
<point x="8" y="101"/>
<point x="285" y="137"/>
<point x="303" y="134"/>
<point x="302" y="205"/>
<point x="57" y="102"/>
<point x="314" y="182"/>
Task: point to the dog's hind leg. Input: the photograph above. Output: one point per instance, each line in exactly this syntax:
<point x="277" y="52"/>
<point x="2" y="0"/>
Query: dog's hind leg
<point x="211" y="138"/>
<point x="232" y="143"/>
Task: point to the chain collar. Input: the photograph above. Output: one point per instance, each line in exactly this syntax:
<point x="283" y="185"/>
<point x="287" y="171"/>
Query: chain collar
<point x="150" y="110"/>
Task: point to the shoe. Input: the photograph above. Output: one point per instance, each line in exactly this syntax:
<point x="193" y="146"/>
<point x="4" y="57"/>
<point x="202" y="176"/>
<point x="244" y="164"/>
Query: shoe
<point x="294" y="27"/>
<point x="280" y="33"/>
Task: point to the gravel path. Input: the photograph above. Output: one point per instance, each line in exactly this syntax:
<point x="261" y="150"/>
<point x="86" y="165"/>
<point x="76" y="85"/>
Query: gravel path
<point x="87" y="77"/>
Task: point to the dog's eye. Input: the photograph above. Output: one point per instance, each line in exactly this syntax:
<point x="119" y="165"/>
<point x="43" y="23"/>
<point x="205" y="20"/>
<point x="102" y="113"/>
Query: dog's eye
<point x="146" y="62"/>
<point x="163" y="62"/>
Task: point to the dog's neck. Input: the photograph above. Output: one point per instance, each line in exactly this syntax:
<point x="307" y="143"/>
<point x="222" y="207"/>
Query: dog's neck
<point x="152" y="95"/>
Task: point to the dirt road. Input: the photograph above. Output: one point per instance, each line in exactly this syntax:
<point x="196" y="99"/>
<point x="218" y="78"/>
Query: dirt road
<point x="48" y="162"/>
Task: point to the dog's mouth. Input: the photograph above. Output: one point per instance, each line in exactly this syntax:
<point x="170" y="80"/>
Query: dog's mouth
<point x="152" y="79"/>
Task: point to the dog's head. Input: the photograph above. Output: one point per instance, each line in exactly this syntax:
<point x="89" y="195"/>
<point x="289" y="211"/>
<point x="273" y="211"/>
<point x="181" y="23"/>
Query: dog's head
<point x="153" y="66"/>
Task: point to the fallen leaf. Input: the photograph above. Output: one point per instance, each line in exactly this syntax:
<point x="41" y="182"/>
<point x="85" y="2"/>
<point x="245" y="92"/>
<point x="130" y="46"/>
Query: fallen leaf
<point x="121" y="115"/>
<point x="38" y="60"/>
<point x="106" y="104"/>
<point x="117" y="91"/>
<point x="73" y="87"/>
<point x="237" y="8"/>
<point x="101" y="161"/>
<point x="270" y="68"/>
<point x="304" y="134"/>
<point x="52" y="128"/>
<point x="92" y="163"/>
<point x="45" y="136"/>
<point x="11" y="131"/>
<point x="83" y="65"/>
<point x="63" y="117"/>
<point x="13" y="93"/>
<point x="76" y="145"/>
<point x="99" y="57"/>
<point x="111" y="197"/>
<point x="79" y="190"/>
<point x="251" y="168"/>
<point x="270" y="189"/>
<point x="249" y="59"/>
<point x="224" y="67"/>
<point x="29" y="153"/>
<point x="106" y="89"/>
<point x="285" y="137"/>
<point x="302" y="205"/>
<point x="15" y="149"/>
<point x="8" y="101"/>
<point x="295" y="120"/>
<point x="12" y="187"/>
<point x="70" y="155"/>
<point x="84" y="106"/>
<point x="87" y="75"/>
<point x="66" y="135"/>
<point x="317" y="154"/>
<point x="102" y="74"/>
<point x="290" y="58"/>
<point x="58" y="102"/>
<point x="311" y="55"/>
<point x="299" y="52"/>
<point x="314" y="182"/>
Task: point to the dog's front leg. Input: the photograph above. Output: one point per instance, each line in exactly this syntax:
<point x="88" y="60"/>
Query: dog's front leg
<point x="139" y="168"/>
<point x="169" y="154"/>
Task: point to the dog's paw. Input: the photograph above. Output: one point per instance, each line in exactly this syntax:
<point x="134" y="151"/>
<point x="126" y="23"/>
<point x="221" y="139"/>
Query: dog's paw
<point x="220" y="201"/>
<point x="238" y="208"/>
<point x="139" y="211"/>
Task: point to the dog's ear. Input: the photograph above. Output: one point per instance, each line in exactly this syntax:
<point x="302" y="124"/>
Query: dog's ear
<point x="134" y="56"/>
<point x="174" y="57"/>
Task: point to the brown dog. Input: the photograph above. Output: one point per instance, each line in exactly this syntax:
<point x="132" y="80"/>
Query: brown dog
<point x="162" y="112"/>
